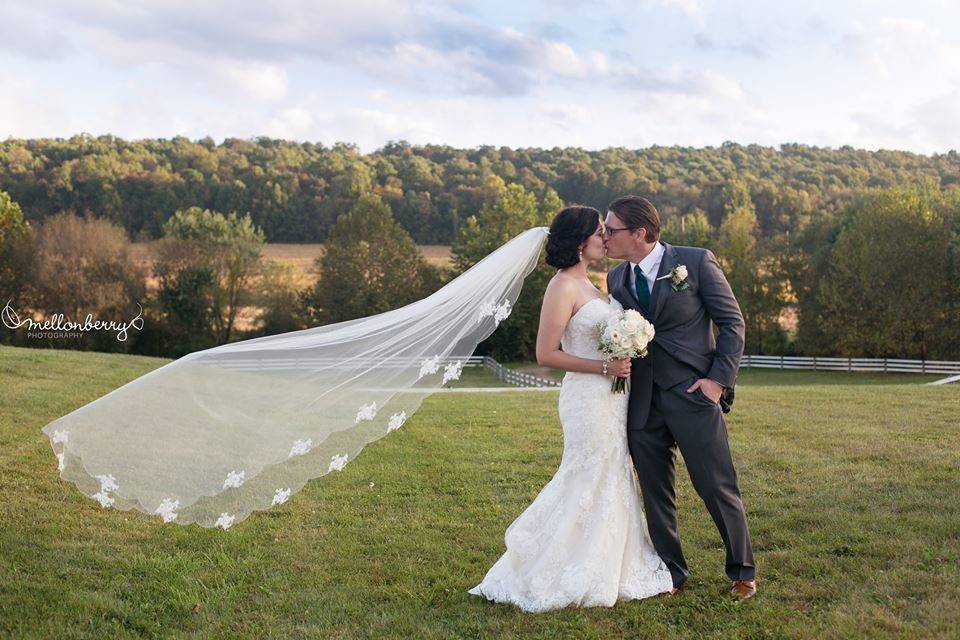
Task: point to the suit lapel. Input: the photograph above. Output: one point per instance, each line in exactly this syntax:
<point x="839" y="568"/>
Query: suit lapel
<point x="625" y="284"/>
<point x="660" y="288"/>
<point x="621" y="286"/>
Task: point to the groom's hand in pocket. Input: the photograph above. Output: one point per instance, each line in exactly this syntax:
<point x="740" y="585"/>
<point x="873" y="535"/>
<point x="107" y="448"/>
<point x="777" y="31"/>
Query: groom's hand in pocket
<point x="710" y="388"/>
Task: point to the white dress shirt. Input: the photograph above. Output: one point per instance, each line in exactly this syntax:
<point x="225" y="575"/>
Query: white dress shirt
<point x="650" y="265"/>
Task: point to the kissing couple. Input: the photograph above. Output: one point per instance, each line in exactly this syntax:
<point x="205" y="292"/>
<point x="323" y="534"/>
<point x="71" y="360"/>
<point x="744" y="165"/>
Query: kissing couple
<point x="584" y="540"/>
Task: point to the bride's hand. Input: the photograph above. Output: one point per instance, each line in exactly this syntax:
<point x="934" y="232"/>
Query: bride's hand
<point x="619" y="368"/>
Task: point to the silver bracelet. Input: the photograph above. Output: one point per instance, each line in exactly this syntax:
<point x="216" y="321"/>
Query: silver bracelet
<point x="604" y="367"/>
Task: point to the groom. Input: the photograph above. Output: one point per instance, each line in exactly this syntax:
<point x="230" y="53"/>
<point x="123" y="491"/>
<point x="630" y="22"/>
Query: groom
<point x="681" y="390"/>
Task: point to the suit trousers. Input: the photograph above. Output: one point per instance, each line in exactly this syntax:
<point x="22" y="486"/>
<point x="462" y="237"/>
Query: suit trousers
<point x="694" y="424"/>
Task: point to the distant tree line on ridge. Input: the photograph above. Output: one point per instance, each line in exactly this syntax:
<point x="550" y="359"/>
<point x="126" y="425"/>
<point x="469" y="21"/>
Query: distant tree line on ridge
<point x="830" y="251"/>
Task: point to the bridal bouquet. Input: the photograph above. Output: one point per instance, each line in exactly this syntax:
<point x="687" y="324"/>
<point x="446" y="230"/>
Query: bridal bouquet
<point x="624" y="334"/>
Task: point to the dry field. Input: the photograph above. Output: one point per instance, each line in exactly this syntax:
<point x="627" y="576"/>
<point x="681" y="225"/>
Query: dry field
<point x="301" y="257"/>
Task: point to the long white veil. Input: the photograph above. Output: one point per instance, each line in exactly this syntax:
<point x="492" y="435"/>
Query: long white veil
<point x="220" y="433"/>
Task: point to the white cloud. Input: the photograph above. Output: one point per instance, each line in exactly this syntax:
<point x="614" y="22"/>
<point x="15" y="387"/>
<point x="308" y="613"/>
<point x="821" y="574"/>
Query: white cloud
<point x="689" y="7"/>
<point x="265" y="81"/>
<point x="939" y="119"/>
<point x="24" y="33"/>
<point x="291" y="123"/>
<point x="368" y="71"/>
<point x="891" y="46"/>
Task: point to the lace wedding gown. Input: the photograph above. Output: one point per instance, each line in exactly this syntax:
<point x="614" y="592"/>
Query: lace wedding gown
<point x="583" y="540"/>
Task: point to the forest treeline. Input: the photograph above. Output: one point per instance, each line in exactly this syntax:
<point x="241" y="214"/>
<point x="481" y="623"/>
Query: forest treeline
<point x="295" y="191"/>
<point x="830" y="251"/>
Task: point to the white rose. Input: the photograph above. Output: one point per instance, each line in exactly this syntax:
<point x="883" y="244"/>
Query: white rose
<point x="626" y="342"/>
<point x="630" y="325"/>
<point x="648" y="331"/>
<point x="682" y="272"/>
<point x="615" y="336"/>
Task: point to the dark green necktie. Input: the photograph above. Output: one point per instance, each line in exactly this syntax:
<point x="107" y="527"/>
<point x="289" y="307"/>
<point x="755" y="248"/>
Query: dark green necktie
<point x="643" y="292"/>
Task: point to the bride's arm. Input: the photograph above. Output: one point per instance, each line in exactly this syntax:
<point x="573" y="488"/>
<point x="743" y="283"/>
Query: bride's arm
<point x="556" y="311"/>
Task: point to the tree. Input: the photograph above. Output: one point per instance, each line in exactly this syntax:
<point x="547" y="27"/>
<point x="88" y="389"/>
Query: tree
<point x="181" y="310"/>
<point x="947" y="337"/>
<point x="370" y="265"/>
<point x="221" y="251"/>
<point x="884" y="292"/>
<point x="277" y="298"/>
<point x="691" y="230"/>
<point x="734" y="197"/>
<point x="513" y="212"/>
<point x="350" y="178"/>
<point x="16" y="240"/>
<point x="86" y="266"/>
<point x="755" y="281"/>
<point x="806" y="260"/>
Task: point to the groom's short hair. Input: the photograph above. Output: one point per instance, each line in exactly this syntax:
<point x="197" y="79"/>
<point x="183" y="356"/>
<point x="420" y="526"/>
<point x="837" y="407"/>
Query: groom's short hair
<point x="637" y="211"/>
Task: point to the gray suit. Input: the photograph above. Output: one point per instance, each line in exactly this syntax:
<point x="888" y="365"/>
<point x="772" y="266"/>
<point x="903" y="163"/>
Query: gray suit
<point x="662" y="416"/>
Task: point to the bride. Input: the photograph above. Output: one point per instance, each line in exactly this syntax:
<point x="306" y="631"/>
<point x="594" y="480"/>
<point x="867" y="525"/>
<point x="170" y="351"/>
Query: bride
<point x="583" y="541"/>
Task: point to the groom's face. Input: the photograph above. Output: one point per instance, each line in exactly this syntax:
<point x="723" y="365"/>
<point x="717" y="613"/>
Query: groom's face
<point x="619" y="244"/>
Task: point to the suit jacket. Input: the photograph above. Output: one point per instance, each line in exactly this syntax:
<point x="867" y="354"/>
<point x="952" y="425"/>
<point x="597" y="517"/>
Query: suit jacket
<point x="684" y="344"/>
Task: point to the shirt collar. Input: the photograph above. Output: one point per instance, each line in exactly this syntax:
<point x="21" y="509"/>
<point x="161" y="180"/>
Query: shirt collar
<point x="651" y="260"/>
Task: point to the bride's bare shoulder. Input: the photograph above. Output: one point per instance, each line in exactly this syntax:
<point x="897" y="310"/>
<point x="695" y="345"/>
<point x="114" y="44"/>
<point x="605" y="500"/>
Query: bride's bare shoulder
<point x="561" y="291"/>
<point x="562" y="284"/>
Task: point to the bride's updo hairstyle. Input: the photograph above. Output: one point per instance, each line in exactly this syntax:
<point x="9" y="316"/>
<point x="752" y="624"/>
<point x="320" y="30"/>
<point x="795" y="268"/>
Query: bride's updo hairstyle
<point x="570" y="229"/>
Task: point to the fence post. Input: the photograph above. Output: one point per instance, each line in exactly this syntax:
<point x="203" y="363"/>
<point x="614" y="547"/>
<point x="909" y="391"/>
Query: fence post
<point x="814" y="363"/>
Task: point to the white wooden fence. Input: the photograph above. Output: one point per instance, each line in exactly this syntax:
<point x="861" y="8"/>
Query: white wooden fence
<point x="884" y="365"/>
<point x="814" y="363"/>
<point x="511" y="376"/>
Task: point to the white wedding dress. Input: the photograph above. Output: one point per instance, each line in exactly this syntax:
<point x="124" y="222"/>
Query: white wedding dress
<point x="583" y="540"/>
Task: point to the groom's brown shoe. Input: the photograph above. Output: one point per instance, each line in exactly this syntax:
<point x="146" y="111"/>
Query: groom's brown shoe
<point x="675" y="590"/>
<point x="743" y="589"/>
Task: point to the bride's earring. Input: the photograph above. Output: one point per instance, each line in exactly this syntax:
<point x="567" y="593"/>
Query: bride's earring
<point x="580" y="252"/>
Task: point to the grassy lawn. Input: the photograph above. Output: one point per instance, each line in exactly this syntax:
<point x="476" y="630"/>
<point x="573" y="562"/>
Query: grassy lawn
<point x="852" y="492"/>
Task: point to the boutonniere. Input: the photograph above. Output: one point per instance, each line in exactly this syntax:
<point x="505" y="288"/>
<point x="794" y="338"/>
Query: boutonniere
<point x="678" y="278"/>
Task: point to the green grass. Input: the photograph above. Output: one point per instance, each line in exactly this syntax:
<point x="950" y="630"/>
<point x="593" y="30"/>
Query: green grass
<point x="852" y="493"/>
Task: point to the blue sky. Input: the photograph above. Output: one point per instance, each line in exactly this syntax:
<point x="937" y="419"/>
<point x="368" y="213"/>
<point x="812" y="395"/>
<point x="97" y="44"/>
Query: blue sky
<point x="587" y="73"/>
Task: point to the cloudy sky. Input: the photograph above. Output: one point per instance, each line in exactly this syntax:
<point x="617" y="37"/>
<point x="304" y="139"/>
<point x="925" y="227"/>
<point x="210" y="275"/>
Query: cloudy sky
<point x="589" y="73"/>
